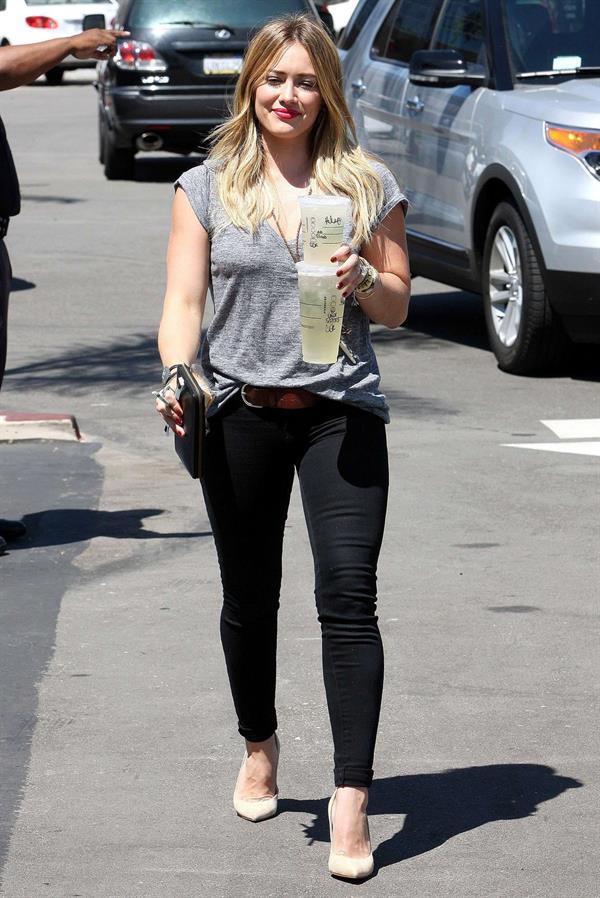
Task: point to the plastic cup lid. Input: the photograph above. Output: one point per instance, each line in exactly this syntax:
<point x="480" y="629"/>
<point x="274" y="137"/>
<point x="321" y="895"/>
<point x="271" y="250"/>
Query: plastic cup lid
<point x="327" y="200"/>
<point x="316" y="270"/>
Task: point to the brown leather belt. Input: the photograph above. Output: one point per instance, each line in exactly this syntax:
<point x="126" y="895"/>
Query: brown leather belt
<point x="277" y="397"/>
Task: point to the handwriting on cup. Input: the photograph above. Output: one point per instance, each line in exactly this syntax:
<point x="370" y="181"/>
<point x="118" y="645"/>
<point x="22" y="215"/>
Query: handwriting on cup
<point x="334" y="225"/>
<point x="331" y="315"/>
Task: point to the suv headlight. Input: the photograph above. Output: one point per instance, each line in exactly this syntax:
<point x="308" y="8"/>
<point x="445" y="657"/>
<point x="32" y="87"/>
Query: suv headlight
<point x="583" y="144"/>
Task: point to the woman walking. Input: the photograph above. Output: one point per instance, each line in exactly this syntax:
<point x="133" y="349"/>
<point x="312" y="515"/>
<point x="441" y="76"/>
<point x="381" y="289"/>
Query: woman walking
<point x="236" y="229"/>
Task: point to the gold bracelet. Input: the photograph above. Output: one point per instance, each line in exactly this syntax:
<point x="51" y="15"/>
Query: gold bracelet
<point x="369" y="280"/>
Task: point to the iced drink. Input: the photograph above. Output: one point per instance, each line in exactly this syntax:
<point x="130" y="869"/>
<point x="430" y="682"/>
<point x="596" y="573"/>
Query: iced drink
<point x="321" y="313"/>
<point x="325" y="220"/>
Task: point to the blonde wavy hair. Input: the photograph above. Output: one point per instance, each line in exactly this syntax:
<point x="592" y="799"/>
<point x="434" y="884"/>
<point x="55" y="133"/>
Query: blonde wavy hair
<point x="339" y="166"/>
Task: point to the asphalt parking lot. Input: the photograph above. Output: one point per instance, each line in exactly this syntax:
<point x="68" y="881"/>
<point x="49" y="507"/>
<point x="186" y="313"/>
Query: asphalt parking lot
<point x="118" y="749"/>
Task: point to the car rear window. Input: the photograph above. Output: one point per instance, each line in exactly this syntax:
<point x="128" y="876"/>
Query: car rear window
<point x="208" y="14"/>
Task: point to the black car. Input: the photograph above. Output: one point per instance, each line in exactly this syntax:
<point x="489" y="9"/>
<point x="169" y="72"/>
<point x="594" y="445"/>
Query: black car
<point x="171" y="80"/>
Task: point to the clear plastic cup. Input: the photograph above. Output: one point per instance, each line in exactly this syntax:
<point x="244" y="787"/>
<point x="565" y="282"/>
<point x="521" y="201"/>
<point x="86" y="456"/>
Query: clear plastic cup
<point x="325" y="220"/>
<point x="321" y="313"/>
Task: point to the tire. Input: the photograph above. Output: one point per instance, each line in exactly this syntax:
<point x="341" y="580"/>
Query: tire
<point x="101" y="138"/>
<point x="55" y="76"/>
<point x="118" y="161"/>
<point x="525" y="334"/>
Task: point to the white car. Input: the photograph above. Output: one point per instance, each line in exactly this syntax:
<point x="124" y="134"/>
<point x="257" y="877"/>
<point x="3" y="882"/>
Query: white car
<point x="30" y="21"/>
<point x="341" y="10"/>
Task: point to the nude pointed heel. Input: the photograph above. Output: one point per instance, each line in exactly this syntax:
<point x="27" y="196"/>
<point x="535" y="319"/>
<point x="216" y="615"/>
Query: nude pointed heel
<point x="342" y="864"/>
<point x="256" y="809"/>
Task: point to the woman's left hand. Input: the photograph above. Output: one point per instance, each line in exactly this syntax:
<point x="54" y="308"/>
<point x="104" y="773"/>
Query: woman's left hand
<point x="349" y="271"/>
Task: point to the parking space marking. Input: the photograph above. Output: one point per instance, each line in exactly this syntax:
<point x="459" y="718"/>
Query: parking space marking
<point x="576" y="433"/>
<point x="592" y="447"/>
<point x="575" y="428"/>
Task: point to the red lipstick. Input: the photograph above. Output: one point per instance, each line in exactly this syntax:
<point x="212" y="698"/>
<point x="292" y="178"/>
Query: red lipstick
<point x="286" y="114"/>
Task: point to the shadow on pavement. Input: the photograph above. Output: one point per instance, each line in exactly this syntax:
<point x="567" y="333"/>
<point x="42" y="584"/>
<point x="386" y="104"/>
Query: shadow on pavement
<point x="409" y="405"/>
<point x="61" y="526"/>
<point x="21" y="284"/>
<point x="31" y="591"/>
<point x="32" y="585"/>
<point x="436" y="319"/>
<point x="91" y="367"/>
<point x="439" y="806"/>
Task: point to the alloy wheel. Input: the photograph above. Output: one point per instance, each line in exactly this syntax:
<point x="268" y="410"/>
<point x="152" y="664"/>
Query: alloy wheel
<point x="505" y="286"/>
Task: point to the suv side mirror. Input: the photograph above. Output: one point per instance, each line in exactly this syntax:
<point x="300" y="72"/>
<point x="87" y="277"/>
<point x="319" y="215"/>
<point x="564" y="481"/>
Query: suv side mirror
<point x="444" y="68"/>
<point x="93" y="21"/>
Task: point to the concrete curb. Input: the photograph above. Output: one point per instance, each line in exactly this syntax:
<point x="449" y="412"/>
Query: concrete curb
<point x="18" y="426"/>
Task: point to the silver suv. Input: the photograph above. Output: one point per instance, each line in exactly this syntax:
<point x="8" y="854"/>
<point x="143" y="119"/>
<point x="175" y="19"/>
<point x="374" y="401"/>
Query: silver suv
<point x="488" y="112"/>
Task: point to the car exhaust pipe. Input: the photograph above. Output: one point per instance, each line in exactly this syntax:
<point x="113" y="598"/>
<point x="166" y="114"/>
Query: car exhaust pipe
<point x="149" y="141"/>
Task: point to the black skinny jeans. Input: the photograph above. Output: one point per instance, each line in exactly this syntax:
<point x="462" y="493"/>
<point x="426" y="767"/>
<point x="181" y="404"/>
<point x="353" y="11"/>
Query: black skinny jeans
<point x="340" y="454"/>
<point x="5" y="278"/>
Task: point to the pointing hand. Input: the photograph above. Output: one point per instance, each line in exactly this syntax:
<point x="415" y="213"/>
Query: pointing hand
<point x="97" y="43"/>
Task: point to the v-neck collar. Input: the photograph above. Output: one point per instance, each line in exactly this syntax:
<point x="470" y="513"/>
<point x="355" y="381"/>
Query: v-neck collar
<point x="281" y="242"/>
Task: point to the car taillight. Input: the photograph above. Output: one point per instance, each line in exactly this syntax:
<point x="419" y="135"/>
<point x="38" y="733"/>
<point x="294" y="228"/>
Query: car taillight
<point x="139" y="56"/>
<point x="41" y="22"/>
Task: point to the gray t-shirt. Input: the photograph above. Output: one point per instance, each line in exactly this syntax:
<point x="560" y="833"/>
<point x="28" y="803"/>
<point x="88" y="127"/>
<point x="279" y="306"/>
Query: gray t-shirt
<point x="254" y="336"/>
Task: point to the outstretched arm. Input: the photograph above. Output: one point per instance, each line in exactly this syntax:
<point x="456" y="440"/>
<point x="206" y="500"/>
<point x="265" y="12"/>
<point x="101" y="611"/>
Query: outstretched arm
<point x="24" y="63"/>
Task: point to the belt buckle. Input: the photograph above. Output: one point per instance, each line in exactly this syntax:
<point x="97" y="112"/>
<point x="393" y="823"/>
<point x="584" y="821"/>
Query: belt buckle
<point x="247" y="401"/>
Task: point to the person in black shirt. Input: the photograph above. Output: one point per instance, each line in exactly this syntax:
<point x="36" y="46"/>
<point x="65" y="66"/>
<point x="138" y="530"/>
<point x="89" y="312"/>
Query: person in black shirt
<point x="21" y="65"/>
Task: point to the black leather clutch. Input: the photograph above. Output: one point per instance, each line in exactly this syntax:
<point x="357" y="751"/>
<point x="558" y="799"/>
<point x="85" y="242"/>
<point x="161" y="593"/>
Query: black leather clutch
<point x="194" y="396"/>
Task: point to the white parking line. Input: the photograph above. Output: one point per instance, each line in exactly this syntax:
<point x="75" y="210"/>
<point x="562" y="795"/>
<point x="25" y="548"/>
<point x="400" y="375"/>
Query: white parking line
<point x="570" y="429"/>
<point x="575" y="429"/>
<point x="590" y="447"/>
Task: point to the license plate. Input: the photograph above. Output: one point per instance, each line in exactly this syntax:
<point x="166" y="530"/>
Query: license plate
<point x="222" y="65"/>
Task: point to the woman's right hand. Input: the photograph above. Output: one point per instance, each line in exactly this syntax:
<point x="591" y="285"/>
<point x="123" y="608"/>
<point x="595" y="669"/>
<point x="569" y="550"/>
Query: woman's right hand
<point x="169" y="408"/>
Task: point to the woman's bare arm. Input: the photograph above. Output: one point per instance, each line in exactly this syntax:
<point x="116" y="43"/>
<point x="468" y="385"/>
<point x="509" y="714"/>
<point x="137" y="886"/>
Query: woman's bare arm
<point x="188" y="257"/>
<point x="387" y="252"/>
<point x="188" y="261"/>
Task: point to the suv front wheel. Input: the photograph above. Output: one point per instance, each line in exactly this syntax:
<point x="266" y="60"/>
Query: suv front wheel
<point x="525" y="335"/>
